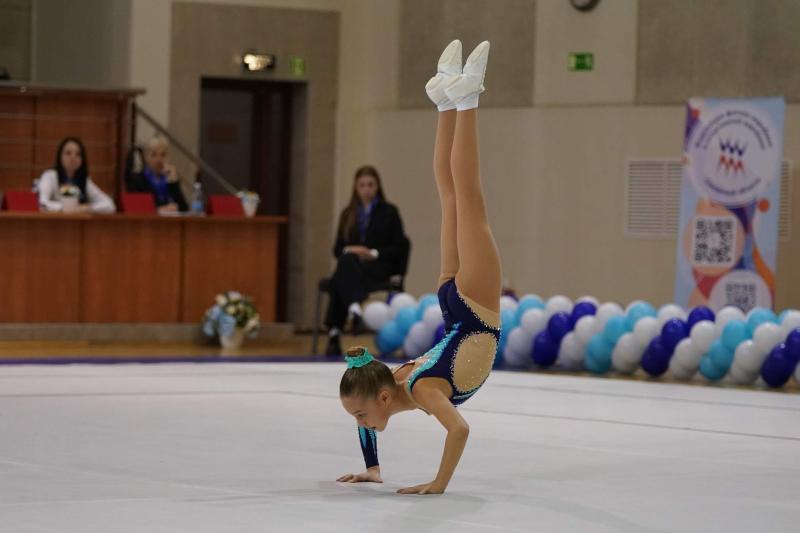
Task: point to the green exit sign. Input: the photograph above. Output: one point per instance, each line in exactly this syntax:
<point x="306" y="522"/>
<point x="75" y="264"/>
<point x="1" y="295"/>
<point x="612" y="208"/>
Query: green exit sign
<point x="581" y="61"/>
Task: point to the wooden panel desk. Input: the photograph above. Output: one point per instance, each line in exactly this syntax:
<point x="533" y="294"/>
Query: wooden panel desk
<point x="133" y="269"/>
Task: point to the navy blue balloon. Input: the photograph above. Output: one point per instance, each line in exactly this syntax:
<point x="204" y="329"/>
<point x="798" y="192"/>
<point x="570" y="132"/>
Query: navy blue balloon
<point x="793" y="345"/>
<point x="673" y="332"/>
<point x="580" y="310"/>
<point x="545" y="349"/>
<point x="699" y="313"/>
<point x="778" y="367"/>
<point x="655" y="360"/>
<point x="558" y="326"/>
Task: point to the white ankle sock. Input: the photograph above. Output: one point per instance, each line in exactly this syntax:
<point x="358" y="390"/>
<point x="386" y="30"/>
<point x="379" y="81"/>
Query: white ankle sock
<point x="333" y="332"/>
<point x="355" y="309"/>
<point x="469" y="102"/>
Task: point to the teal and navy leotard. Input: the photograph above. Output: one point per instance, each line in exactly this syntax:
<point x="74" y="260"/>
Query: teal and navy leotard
<point x="463" y="358"/>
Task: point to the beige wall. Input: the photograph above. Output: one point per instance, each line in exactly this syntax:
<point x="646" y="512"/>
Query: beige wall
<point x="16" y="37"/>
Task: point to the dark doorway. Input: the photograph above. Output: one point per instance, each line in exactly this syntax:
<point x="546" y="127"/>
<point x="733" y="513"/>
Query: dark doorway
<point x="246" y="133"/>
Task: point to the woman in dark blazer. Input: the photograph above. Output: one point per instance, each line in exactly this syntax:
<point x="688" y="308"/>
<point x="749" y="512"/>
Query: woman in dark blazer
<point x="370" y="247"/>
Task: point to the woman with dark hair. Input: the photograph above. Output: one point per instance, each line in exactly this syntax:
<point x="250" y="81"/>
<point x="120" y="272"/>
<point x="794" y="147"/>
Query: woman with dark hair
<point x="370" y="247"/>
<point x="72" y="168"/>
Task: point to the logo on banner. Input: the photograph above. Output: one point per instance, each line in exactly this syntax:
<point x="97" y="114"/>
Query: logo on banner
<point x="731" y="155"/>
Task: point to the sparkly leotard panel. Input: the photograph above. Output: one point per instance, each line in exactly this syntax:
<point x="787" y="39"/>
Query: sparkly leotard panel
<point x="465" y="355"/>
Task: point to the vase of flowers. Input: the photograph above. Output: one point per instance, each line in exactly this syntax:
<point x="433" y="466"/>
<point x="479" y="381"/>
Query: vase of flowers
<point x="69" y="195"/>
<point x="232" y="318"/>
<point x="250" y="202"/>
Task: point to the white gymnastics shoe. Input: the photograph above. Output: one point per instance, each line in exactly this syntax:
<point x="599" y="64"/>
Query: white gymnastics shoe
<point x="448" y="69"/>
<point x="463" y="91"/>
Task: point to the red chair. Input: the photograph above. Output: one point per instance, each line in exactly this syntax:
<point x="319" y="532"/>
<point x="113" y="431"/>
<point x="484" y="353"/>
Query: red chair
<point x="225" y="205"/>
<point x="25" y="201"/>
<point x="137" y="203"/>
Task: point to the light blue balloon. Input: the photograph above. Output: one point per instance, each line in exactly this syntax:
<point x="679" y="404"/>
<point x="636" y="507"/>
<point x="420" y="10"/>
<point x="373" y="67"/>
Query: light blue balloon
<point x="637" y="312"/>
<point x="390" y="337"/>
<point x="598" y="354"/>
<point x="425" y="302"/>
<point x="783" y="315"/>
<point x="734" y="333"/>
<point x="527" y="302"/>
<point x="616" y="327"/>
<point x="758" y="316"/>
<point x="711" y="371"/>
<point x="406" y="317"/>
<point x="508" y="319"/>
<point x="721" y="356"/>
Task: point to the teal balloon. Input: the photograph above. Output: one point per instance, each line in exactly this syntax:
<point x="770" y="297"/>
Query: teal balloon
<point x="735" y="333"/>
<point x="508" y="319"/>
<point x="390" y="337"/>
<point x="406" y="317"/>
<point x="711" y="371"/>
<point x="637" y="312"/>
<point x="425" y="302"/>
<point x="527" y="302"/>
<point x="758" y="316"/>
<point x="616" y="327"/>
<point x="720" y="355"/>
<point x="598" y="354"/>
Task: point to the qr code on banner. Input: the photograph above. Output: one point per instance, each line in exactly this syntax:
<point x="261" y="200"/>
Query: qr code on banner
<point x="741" y="295"/>
<point x="714" y="241"/>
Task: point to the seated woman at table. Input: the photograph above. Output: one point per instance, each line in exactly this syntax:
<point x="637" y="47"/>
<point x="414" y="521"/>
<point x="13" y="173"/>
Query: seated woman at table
<point x="72" y="168"/>
<point x="160" y="178"/>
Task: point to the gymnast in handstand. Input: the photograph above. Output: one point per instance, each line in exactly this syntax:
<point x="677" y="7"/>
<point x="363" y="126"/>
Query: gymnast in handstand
<point x="469" y="290"/>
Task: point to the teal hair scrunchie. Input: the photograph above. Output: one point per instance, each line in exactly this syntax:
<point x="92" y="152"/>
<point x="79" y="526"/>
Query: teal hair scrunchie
<point x="361" y="360"/>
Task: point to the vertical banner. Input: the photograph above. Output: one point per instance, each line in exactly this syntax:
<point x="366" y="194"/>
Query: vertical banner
<point x="728" y="236"/>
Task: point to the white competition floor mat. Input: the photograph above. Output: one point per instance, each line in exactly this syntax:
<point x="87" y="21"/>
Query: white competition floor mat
<point x="256" y="447"/>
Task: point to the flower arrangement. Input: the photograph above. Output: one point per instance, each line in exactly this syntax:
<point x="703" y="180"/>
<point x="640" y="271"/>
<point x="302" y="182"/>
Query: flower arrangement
<point x="230" y="313"/>
<point x="69" y="191"/>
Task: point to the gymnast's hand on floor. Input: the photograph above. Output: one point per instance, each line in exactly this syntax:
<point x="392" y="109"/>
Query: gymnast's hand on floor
<point x="372" y="474"/>
<point x="425" y="488"/>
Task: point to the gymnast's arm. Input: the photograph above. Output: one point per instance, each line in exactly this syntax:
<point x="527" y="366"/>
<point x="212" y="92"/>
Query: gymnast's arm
<point x="369" y="447"/>
<point x="434" y="401"/>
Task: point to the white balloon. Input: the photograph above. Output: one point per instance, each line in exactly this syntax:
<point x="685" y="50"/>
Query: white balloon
<point x="515" y="359"/>
<point x="681" y="371"/>
<point x="740" y="376"/>
<point x="401" y="301"/>
<point x="668" y="312"/>
<point x="626" y="354"/>
<point x="766" y="336"/>
<point x="645" y="330"/>
<point x="791" y="321"/>
<point x="432" y="318"/>
<point x="376" y="315"/>
<point x="520" y="341"/>
<point x="606" y="311"/>
<point x="570" y="353"/>
<point x="533" y="321"/>
<point x="702" y="335"/>
<point x="585" y="328"/>
<point x="686" y="355"/>
<point x="591" y="299"/>
<point x="747" y="358"/>
<point x="558" y="304"/>
<point x="411" y="349"/>
<point x="508" y="303"/>
<point x="725" y="315"/>
<point x="420" y="335"/>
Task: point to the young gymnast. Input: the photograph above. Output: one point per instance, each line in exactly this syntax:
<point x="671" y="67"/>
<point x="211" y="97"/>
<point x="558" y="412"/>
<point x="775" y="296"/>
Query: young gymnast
<point x="469" y="290"/>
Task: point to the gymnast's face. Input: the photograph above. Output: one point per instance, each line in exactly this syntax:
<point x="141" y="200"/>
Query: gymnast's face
<point x="366" y="188"/>
<point x="371" y="413"/>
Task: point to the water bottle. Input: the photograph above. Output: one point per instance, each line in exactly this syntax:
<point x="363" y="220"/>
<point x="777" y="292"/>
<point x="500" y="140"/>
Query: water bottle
<point x="198" y="200"/>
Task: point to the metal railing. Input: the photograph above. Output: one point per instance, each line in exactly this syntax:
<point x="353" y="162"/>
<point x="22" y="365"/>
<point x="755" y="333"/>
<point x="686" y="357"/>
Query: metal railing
<point x="204" y="167"/>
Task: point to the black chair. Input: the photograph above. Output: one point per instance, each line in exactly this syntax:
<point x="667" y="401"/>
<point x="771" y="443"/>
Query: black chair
<point x="395" y="283"/>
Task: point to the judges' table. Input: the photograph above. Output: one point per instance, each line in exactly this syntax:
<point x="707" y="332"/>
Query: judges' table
<point x="134" y="269"/>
